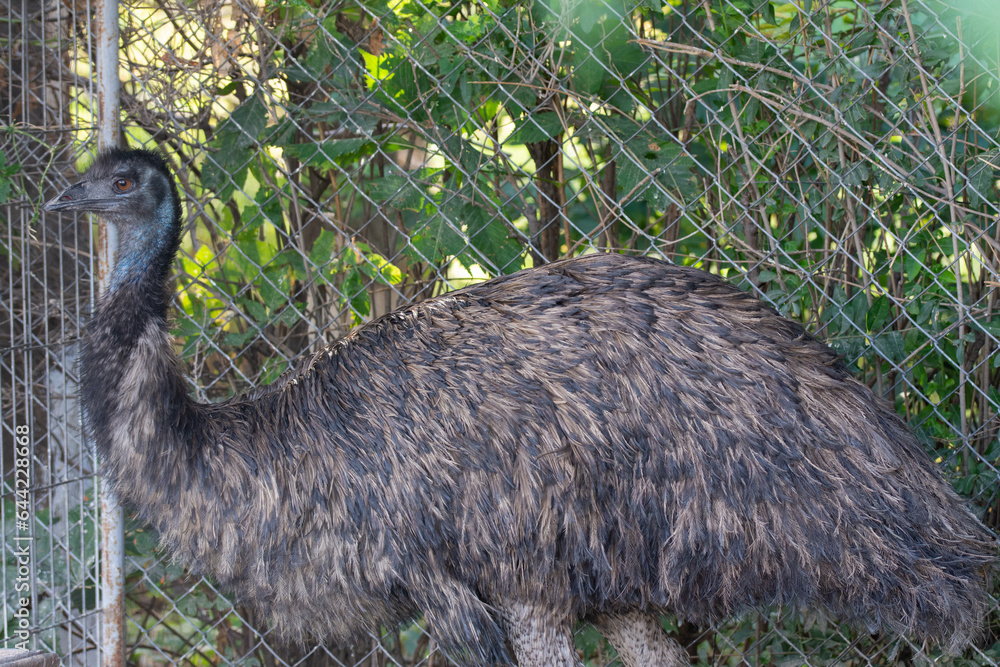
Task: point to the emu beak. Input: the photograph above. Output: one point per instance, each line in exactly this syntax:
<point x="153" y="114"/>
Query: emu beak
<point x="75" y="198"/>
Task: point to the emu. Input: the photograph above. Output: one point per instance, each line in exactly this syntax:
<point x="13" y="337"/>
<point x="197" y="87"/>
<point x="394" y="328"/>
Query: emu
<point x="605" y="438"/>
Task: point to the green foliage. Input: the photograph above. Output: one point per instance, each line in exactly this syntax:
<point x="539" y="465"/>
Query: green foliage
<point x="7" y="173"/>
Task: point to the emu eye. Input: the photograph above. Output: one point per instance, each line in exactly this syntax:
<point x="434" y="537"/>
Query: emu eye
<point x="123" y="185"/>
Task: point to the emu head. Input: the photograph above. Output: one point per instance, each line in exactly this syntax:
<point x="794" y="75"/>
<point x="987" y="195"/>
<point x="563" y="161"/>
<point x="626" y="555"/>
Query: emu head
<point x="124" y="186"/>
<point x="134" y="190"/>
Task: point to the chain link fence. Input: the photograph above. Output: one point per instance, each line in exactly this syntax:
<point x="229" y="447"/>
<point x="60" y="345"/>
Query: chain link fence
<point x="340" y="159"/>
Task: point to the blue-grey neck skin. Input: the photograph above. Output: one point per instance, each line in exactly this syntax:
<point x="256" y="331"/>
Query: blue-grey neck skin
<point x="142" y="249"/>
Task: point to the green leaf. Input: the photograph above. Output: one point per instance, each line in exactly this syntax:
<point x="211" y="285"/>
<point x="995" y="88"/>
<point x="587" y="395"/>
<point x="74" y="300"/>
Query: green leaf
<point x="437" y="240"/>
<point x="289" y="316"/>
<point x="273" y="369"/>
<point x="141" y="542"/>
<point x="914" y="264"/>
<point x="327" y="154"/>
<point x="857" y="174"/>
<point x="354" y="292"/>
<point x="588" y="75"/>
<point x="257" y="311"/>
<point x="379" y="269"/>
<point x="239" y="339"/>
<point x="322" y="248"/>
<point x="766" y="275"/>
<point x="397" y="191"/>
<point x="795" y="24"/>
<point x="589" y="640"/>
<point x="319" y="57"/>
<point x="890" y="346"/>
<point x="281" y="133"/>
<point x="234" y="143"/>
<point x="992" y="327"/>
<point x="490" y="237"/>
<point x="334" y="111"/>
<point x="293" y="259"/>
<point x="7" y="173"/>
<point x="246" y="122"/>
<point x="227" y="89"/>
<point x="248" y="259"/>
<point x="517" y="98"/>
<point x="402" y="92"/>
<point x="982" y="178"/>
<point x="226" y="170"/>
<point x="465" y="90"/>
<point x="878" y="314"/>
<point x="536" y="127"/>
<point x="273" y="286"/>
<point x="649" y="168"/>
<point x="767" y="13"/>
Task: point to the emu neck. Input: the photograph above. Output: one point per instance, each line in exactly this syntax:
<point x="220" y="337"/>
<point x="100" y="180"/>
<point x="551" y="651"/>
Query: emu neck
<point x="146" y="252"/>
<point x="132" y="393"/>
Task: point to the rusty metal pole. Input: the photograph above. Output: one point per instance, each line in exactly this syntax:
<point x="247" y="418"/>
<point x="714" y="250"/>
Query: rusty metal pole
<point x="105" y="33"/>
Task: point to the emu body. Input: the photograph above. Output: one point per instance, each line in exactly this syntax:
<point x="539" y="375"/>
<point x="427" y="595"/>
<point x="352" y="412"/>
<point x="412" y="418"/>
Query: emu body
<point x="603" y="438"/>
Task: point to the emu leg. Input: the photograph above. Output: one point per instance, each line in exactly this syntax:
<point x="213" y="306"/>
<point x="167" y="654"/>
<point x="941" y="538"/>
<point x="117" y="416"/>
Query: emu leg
<point x="538" y="639"/>
<point x="640" y="641"/>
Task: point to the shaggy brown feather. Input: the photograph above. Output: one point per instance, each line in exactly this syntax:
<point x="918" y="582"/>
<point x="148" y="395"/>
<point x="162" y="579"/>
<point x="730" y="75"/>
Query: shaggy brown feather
<point x="602" y="435"/>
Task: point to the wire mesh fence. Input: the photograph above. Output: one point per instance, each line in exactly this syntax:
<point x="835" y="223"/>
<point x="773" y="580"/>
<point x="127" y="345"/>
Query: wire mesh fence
<point x="48" y="518"/>
<point x="340" y="159"/>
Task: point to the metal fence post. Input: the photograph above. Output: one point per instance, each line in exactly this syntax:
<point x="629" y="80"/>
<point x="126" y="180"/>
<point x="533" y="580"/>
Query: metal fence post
<point x="112" y="524"/>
